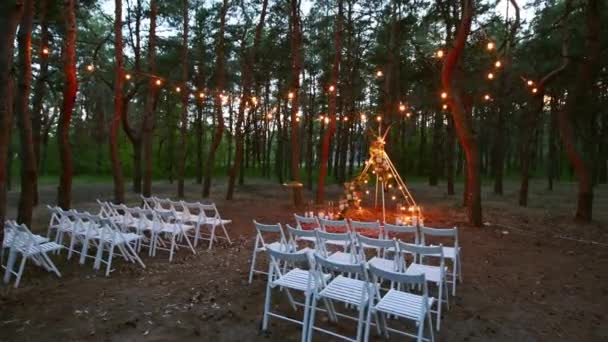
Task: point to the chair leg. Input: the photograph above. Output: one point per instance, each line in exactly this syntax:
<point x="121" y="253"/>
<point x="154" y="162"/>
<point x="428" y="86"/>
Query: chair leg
<point x="12" y="257"/>
<point x="266" y="308"/>
<point x="368" y="323"/>
<point x="212" y="236"/>
<point x="439" y="305"/>
<point x="311" y="324"/>
<point x="21" y="268"/>
<point x="361" y="321"/>
<point x="420" y="330"/>
<point x="459" y="267"/>
<point x="430" y="323"/>
<point x="306" y="314"/>
<point x="109" y="266"/>
<point x="226" y="233"/>
<point x="172" y="247"/>
<point x="454" y="274"/>
<point x="251" y="269"/>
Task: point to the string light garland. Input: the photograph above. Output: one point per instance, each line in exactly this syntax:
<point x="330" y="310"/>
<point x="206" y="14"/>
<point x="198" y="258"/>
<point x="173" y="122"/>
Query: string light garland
<point x="45" y="51"/>
<point x="127" y="77"/>
<point x="487" y="97"/>
<point x="439" y="54"/>
<point x="378" y="118"/>
<point x="490" y="76"/>
<point x="158" y="82"/>
<point x="379" y="73"/>
<point x="490" y="46"/>
<point x="444" y="95"/>
<point x="90" y="67"/>
<point x="498" y="64"/>
<point x="331" y="88"/>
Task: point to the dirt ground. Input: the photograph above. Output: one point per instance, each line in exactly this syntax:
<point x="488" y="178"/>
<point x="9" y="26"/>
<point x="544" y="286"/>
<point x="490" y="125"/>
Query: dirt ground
<point x="531" y="274"/>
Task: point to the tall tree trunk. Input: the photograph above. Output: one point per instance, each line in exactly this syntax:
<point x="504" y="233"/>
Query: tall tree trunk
<point x="581" y="96"/>
<point x="150" y="105"/>
<point x="248" y="65"/>
<point x="28" y="157"/>
<point x="461" y="113"/>
<point x="217" y="101"/>
<point x="64" y="191"/>
<point x="296" y="67"/>
<point x="119" y="186"/>
<point x="331" y="127"/>
<point x="450" y="156"/>
<point x="181" y="167"/>
<point x="435" y="162"/>
<point x="40" y="87"/>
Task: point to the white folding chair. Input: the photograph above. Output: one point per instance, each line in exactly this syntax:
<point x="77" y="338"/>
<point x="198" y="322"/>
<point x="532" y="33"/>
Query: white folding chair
<point x="261" y="244"/>
<point x="296" y="279"/>
<point x="172" y="231"/>
<point x="19" y="240"/>
<point x="433" y="274"/>
<point x="400" y="304"/>
<point x="213" y="220"/>
<point x="334" y="226"/>
<point x="307" y="224"/>
<point x="343" y="242"/>
<point x="449" y="252"/>
<point x="369" y="229"/>
<point x="384" y="247"/>
<point x="353" y="292"/>
<point x="407" y="234"/>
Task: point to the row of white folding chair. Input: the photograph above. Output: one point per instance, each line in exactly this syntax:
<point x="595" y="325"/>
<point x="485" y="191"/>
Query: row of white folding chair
<point x="86" y="230"/>
<point x="194" y="213"/>
<point x="353" y="250"/>
<point x="387" y="231"/>
<point x="159" y="230"/>
<point x="316" y="282"/>
<point x="19" y="240"/>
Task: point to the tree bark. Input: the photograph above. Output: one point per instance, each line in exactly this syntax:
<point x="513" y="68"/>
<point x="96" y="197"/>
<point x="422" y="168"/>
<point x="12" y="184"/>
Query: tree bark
<point x="64" y="191"/>
<point x="581" y="96"/>
<point x="150" y="105"/>
<point x="331" y="126"/>
<point x="461" y="113"/>
<point x="119" y="186"/>
<point x="296" y="42"/>
<point x="246" y="99"/>
<point x="40" y="88"/>
<point x="217" y="101"/>
<point x="181" y="167"/>
<point x="28" y="157"/>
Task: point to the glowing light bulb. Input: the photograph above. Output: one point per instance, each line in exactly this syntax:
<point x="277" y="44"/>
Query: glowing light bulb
<point x="365" y="181"/>
<point x="445" y="106"/>
<point x="498" y="64"/>
<point x="45" y="51"/>
<point x="297" y="119"/>
<point x="379" y="73"/>
<point x="490" y="76"/>
<point x="321" y="117"/>
<point x="290" y="95"/>
<point x="534" y="90"/>
<point x="367" y="192"/>
<point x="345" y="118"/>
<point x="90" y="67"/>
<point x="178" y="89"/>
<point x="490" y="46"/>
<point x="378" y="118"/>
<point x="201" y="95"/>
<point x="408" y="114"/>
<point x="530" y="82"/>
<point x="254" y="100"/>
<point x="269" y="116"/>
<point x="327" y="120"/>
<point x="444" y="95"/>
<point x="393" y="197"/>
<point x="363" y="117"/>
<point x="439" y="54"/>
<point x="401" y="107"/>
<point x="128" y="77"/>
<point x="331" y="88"/>
<point x="158" y="82"/>
<point x="486" y="97"/>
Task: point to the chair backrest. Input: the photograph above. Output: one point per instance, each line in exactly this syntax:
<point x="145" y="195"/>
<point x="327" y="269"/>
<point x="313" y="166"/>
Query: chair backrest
<point x="22" y="236"/>
<point x="323" y="237"/>
<point x="334" y="226"/>
<point x="353" y="268"/>
<point x="378" y="243"/>
<point x="210" y="211"/>
<point x="371" y="229"/>
<point x="395" y="278"/>
<point x="269" y="229"/>
<point x="439" y="232"/>
<point x="306" y="223"/>
<point x="148" y="202"/>
<point x="394" y="231"/>
<point x="295" y="234"/>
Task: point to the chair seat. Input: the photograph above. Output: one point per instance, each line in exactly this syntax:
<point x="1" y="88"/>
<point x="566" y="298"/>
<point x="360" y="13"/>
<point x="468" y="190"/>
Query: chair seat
<point x="448" y="252"/>
<point x="431" y="273"/>
<point x="277" y="246"/>
<point x="307" y="238"/>
<point x="297" y="279"/>
<point x="383" y="264"/>
<point x="346" y="290"/>
<point x="175" y="228"/>
<point x="127" y="237"/>
<point x="404" y="304"/>
<point x="340" y="243"/>
<point x="341" y="257"/>
<point x="42" y="248"/>
<point x="9" y="235"/>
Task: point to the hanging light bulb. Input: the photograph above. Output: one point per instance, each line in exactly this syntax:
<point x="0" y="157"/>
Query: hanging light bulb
<point x="534" y="90"/>
<point x="378" y="118"/>
<point x="321" y="117"/>
<point x="490" y="46"/>
<point x="379" y="73"/>
<point x="490" y="76"/>
<point x="297" y="119"/>
<point x="254" y="100"/>
<point x="487" y="97"/>
<point x="498" y="64"/>
<point x="530" y="83"/>
<point x="393" y="197"/>
<point x="345" y="118"/>
<point x="445" y="106"/>
<point x="326" y="119"/>
<point x="363" y="117"/>
<point x="290" y="95"/>
<point x="90" y="67"/>
<point x="201" y="95"/>
<point x="269" y="116"/>
<point x="45" y="51"/>
<point x="331" y="88"/>
<point x="158" y="82"/>
<point x="402" y="107"/>
<point x="128" y="77"/>
<point x="178" y="89"/>
<point x="367" y="192"/>
<point x="439" y="54"/>
<point x="408" y="114"/>
<point x="444" y="95"/>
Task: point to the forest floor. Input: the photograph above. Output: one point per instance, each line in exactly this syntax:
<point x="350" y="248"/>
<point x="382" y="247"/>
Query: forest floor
<point x="525" y="276"/>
